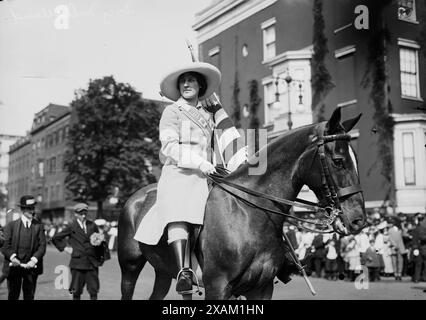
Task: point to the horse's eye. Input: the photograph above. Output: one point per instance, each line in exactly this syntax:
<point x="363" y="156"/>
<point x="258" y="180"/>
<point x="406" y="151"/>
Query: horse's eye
<point x="338" y="162"/>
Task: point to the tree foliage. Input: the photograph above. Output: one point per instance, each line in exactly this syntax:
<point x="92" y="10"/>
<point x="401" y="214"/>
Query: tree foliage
<point x="236" y="110"/>
<point x="321" y="78"/>
<point x="113" y="134"/>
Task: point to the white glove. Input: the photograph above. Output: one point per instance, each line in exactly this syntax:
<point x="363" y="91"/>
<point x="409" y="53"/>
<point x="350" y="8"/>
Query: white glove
<point x="207" y="168"/>
<point x="68" y="250"/>
<point x="15" y="262"/>
<point x="416" y="252"/>
<point x="30" y="264"/>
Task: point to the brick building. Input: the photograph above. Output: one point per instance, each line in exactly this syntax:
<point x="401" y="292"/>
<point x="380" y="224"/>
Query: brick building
<point x="20" y="171"/>
<point x="262" y="39"/>
<point x="49" y="135"/>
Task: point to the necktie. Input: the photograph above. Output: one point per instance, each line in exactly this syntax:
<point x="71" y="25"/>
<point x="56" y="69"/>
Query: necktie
<point x="28" y="224"/>
<point x="84" y="228"/>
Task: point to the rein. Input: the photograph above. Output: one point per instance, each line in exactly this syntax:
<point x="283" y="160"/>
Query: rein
<point x="219" y="181"/>
<point x="332" y="193"/>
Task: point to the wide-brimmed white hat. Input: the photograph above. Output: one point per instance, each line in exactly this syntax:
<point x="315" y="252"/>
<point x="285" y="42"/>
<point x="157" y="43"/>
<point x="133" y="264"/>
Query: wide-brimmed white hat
<point x="169" y="85"/>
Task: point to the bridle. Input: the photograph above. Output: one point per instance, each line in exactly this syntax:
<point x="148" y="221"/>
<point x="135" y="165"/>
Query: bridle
<point x="332" y="192"/>
<point x="329" y="206"/>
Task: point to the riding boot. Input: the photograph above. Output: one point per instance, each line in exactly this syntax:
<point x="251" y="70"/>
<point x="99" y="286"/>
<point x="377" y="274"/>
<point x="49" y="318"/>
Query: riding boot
<point x="184" y="279"/>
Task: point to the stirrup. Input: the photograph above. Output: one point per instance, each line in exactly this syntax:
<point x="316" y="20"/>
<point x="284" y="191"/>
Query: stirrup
<point x="197" y="290"/>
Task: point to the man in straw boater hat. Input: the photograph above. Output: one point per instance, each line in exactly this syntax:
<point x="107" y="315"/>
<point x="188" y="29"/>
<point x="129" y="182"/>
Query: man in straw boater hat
<point x="186" y="131"/>
<point x="24" y="248"/>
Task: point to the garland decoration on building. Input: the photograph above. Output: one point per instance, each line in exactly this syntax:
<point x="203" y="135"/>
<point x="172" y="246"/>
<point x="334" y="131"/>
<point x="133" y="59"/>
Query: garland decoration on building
<point x="321" y="78"/>
<point x="255" y="100"/>
<point x="236" y="113"/>
<point x="376" y="76"/>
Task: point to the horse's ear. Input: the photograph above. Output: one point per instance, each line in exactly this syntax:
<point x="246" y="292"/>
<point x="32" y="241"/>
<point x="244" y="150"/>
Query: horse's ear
<point x="349" y="124"/>
<point x="334" y="122"/>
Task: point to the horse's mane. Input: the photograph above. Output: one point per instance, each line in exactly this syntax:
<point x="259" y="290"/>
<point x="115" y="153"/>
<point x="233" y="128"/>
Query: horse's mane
<point x="276" y="144"/>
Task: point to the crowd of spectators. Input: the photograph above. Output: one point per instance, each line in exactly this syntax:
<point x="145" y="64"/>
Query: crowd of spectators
<point x="393" y="247"/>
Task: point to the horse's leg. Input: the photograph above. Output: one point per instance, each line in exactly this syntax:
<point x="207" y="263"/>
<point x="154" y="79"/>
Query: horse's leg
<point x="130" y="270"/>
<point x="262" y="293"/>
<point x="217" y="288"/>
<point x="161" y="285"/>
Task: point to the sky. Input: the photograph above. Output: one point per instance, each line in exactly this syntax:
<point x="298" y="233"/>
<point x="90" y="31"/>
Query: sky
<point x="45" y="56"/>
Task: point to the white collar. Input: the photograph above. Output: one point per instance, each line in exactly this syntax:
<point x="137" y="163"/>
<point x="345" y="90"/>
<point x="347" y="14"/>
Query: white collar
<point x="25" y="220"/>
<point x="81" y="223"/>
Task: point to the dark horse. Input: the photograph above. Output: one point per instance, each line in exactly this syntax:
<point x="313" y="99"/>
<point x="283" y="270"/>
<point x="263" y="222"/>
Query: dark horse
<point x="240" y="247"/>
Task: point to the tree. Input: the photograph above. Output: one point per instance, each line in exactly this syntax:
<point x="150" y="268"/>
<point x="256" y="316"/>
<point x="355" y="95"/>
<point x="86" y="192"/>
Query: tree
<point x="321" y="78"/>
<point x="236" y="111"/>
<point x="113" y="138"/>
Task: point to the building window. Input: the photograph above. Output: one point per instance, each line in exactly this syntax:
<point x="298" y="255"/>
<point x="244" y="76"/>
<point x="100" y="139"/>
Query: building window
<point x="407" y="10"/>
<point x="269" y="37"/>
<point x="271" y="111"/>
<point x="41" y="169"/>
<point x="244" y="50"/>
<point x="409" y="72"/>
<point x="58" y="161"/>
<point x="53" y="165"/>
<point x="214" y="51"/>
<point x="57" y="192"/>
<point x="408" y="158"/>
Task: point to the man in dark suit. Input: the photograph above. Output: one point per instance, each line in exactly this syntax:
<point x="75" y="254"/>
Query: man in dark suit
<point x="419" y="250"/>
<point x="85" y="260"/>
<point x="24" y="248"/>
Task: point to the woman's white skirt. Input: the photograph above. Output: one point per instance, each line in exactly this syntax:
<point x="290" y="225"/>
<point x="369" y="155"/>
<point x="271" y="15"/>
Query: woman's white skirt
<point x="181" y="196"/>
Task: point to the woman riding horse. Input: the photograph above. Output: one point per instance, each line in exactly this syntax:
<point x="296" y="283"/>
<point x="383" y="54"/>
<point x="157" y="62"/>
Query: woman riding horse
<point x="186" y="129"/>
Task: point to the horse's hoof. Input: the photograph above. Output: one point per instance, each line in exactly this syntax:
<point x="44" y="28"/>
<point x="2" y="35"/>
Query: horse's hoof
<point x="187" y="296"/>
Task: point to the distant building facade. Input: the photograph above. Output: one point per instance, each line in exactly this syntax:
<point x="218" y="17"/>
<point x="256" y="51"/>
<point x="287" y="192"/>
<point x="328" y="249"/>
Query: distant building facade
<point x="20" y="171"/>
<point x="49" y="135"/>
<point x="6" y="141"/>
<point x="262" y="39"/>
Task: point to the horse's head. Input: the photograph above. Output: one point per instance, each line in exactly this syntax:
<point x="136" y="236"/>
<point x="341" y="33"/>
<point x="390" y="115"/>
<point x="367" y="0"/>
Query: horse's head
<point x="329" y="168"/>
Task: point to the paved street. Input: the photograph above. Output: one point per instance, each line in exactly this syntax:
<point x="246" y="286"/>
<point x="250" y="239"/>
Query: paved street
<point x="296" y="289"/>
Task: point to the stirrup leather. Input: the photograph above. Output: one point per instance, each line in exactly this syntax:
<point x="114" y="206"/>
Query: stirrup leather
<point x="197" y="290"/>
